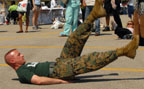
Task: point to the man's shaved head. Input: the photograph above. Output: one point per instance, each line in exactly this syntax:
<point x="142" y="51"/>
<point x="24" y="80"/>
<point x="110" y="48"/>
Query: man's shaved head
<point x="14" y="58"/>
<point x="7" y="56"/>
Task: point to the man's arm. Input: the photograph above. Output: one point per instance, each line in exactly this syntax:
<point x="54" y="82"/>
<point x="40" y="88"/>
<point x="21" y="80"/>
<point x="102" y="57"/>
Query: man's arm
<point x="46" y="80"/>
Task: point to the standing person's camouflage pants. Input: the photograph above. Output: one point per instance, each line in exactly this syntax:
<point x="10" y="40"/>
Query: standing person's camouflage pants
<point x="71" y="63"/>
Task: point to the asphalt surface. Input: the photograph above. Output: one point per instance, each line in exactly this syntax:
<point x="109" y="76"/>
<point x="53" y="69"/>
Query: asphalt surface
<point x="46" y="45"/>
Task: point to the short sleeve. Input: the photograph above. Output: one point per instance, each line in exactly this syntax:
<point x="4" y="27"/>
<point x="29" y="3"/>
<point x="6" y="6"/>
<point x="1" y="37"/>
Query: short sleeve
<point x="25" y="75"/>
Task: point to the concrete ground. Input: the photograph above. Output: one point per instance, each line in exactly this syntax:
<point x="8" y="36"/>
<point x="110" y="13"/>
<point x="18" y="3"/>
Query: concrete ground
<point x="45" y="45"/>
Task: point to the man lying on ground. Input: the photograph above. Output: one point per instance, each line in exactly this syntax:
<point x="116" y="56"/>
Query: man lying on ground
<point x="70" y="63"/>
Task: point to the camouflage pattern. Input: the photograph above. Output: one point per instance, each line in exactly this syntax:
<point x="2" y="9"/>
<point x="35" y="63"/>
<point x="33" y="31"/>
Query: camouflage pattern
<point x="65" y="68"/>
<point x="139" y="7"/>
<point x="76" y="41"/>
<point x="70" y="63"/>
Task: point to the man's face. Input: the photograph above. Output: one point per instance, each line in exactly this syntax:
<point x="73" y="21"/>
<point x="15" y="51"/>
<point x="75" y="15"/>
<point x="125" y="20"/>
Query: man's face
<point x="17" y="57"/>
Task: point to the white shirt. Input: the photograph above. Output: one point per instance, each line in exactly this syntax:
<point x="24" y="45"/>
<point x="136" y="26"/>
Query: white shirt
<point x="90" y="2"/>
<point x="131" y="29"/>
<point x="131" y="3"/>
<point x="53" y="3"/>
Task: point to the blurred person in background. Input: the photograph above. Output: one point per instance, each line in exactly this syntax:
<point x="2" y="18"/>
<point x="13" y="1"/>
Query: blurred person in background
<point x="124" y="33"/>
<point x="21" y="14"/>
<point x="36" y="12"/>
<point x="112" y="7"/>
<point x="89" y="7"/>
<point x="12" y="12"/>
<point x="71" y="17"/>
<point x="130" y="8"/>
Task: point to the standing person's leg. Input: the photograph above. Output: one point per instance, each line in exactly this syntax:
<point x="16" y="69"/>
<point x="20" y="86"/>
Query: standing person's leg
<point x="34" y="18"/>
<point x="68" y="17"/>
<point x="77" y="39"/>
<point x="75" y="17"/>
<point x="117" y="18"/>
<point x="97" y="30"/>
<point x="20" y="23"/>
<point x="88" y="10"/>
<point x="83" y="13"/>
<point x="37" y="15"/>
<point x="14" y="16"/>
<point x="27" y="17"/>
<point x="107" y="18"/>
<point x="93" y="61"/>
<point x="27" y="23"/>
<point x="130" y="11"/>
<point x="8" y="18"/>
<point x="108" y="8"/>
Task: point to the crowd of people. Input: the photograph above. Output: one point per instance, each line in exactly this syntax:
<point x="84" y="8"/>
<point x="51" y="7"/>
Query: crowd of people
<point x="112" y="7"/>
<point x="73" y="7"/>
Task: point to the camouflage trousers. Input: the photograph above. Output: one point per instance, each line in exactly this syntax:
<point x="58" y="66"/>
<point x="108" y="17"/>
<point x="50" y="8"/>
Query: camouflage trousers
<point x="70" y="63"/>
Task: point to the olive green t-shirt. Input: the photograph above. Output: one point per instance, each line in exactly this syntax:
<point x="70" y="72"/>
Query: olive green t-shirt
<point x="26" y="71"/>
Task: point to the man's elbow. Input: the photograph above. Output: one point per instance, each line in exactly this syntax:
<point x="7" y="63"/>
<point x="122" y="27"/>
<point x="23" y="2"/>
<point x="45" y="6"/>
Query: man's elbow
<point x="36" y="80"/>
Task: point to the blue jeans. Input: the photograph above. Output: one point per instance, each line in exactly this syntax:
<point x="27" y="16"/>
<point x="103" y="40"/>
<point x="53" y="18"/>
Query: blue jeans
<point x="130" y="11"/>
<point x="97" y="21"/>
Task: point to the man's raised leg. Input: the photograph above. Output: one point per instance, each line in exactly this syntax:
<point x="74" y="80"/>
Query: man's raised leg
<point x="76" y="41"/>
<point x="93" y="61"/>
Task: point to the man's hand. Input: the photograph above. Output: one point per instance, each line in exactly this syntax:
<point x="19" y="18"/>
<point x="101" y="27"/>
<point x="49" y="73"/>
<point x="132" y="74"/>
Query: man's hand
<point x="46" y="80"/>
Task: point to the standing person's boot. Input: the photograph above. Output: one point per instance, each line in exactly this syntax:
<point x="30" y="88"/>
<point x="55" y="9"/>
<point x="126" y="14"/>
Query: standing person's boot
<point x="130" y="49"/>
<point x="97" y="11"/>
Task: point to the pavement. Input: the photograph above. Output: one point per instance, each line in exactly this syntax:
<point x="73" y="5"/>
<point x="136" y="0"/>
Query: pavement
<point x="46" y="45"/>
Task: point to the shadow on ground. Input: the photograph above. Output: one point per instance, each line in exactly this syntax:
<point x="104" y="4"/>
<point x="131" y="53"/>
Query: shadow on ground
<point x="101" y="34"/>
<point x="33" y="31"/>
<point x="84" y="79"/>
<point x="3" y="31"/>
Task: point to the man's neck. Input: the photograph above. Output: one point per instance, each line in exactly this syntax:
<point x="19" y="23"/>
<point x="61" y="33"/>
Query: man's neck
<point x="17" y="66"/>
